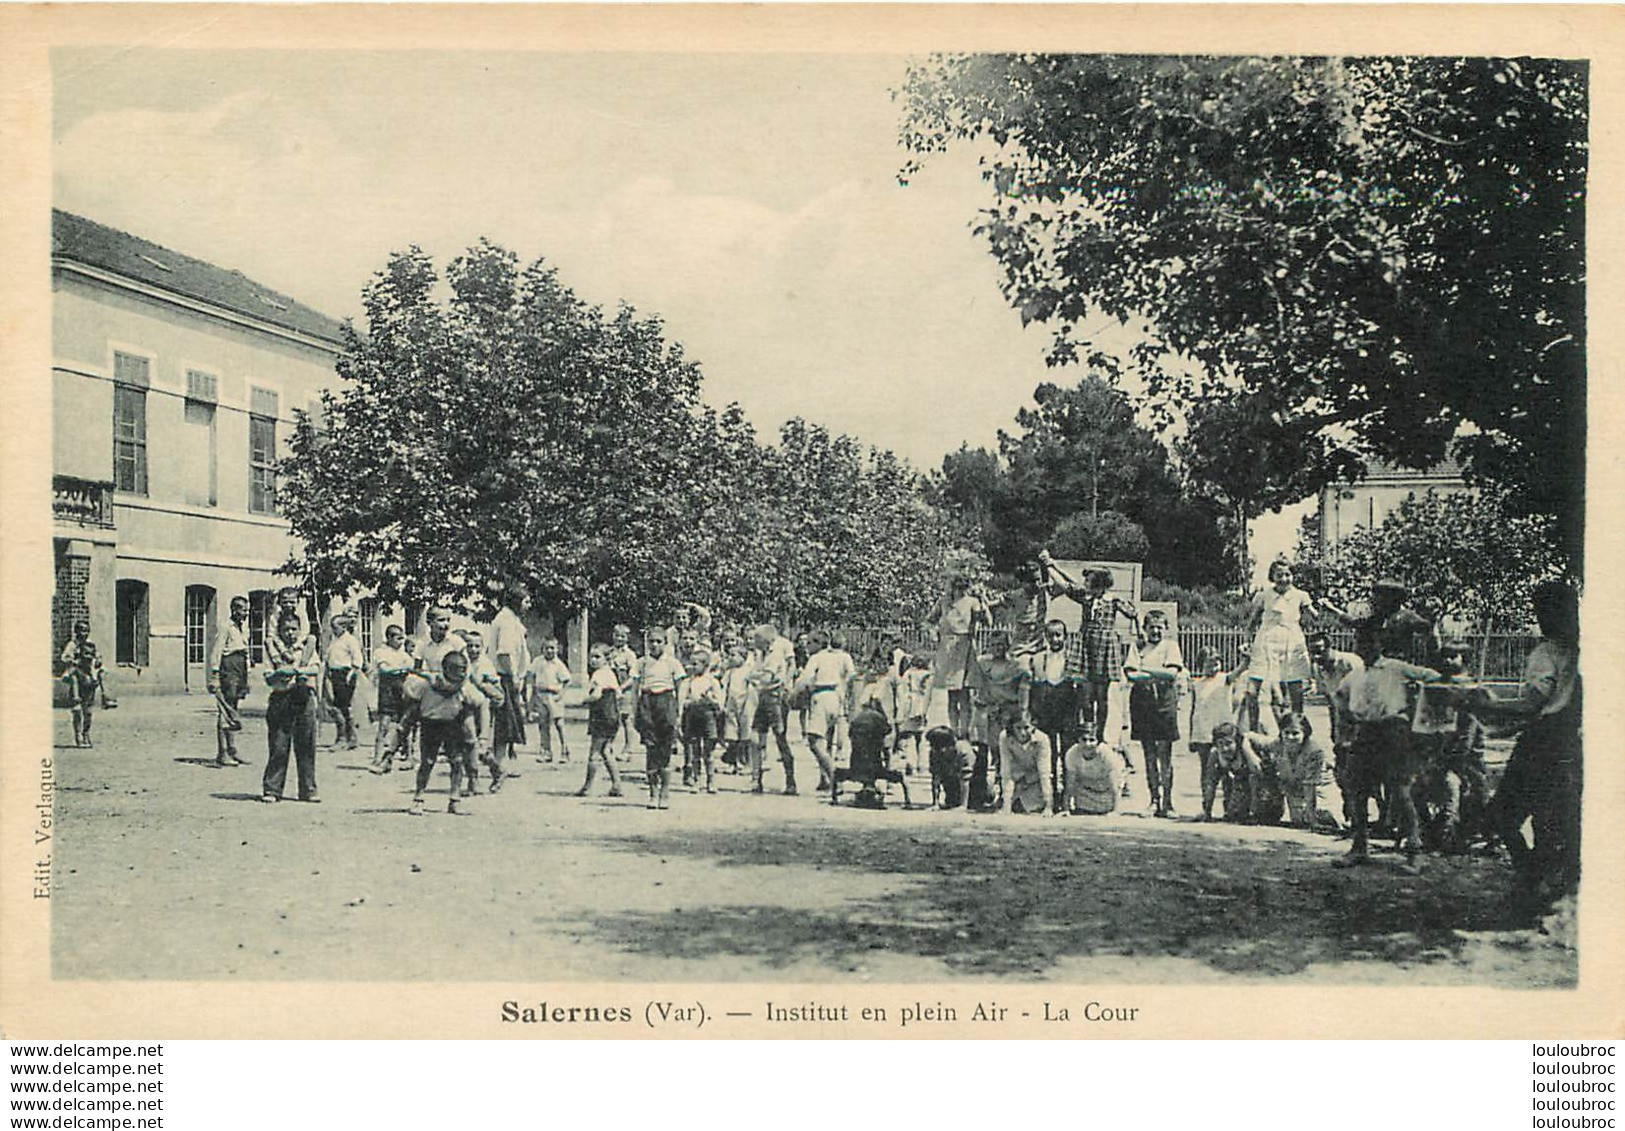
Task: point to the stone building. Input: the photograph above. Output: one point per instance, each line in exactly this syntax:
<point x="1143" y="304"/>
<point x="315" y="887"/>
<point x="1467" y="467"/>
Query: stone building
<point x="1347" y="507"/>
<point x="174" y="385"/>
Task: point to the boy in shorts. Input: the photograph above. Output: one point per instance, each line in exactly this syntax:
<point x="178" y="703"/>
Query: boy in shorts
<point x="544" y="686"/>
<point x="390" y="666"/>
<point x="603" y="718"/>
<point x="446" y="707"/>
<point x="623" y="661"/>
<point x="701" y="696"/>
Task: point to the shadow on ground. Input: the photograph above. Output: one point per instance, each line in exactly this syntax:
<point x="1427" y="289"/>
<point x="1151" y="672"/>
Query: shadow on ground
<point x="1012" y="904"/>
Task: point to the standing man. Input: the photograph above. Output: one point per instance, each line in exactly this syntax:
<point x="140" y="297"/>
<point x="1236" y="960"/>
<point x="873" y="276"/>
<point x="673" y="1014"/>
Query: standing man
<point x="1543" y="777"/>
<point x="510" y="651"/>
<point x="774" y="675"/>
<point x="228" y="682"/>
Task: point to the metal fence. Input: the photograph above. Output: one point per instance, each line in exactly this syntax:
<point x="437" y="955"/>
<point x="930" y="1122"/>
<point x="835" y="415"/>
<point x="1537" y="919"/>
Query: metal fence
<point x="1502" y="654"/>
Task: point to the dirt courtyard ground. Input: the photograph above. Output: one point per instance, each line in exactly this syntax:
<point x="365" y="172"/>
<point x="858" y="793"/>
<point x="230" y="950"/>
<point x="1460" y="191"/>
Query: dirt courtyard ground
<point x="168" y="868"/>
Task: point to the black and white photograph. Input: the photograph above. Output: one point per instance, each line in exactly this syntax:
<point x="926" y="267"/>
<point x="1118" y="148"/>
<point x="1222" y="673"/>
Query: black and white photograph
<point x="816" y="517"/>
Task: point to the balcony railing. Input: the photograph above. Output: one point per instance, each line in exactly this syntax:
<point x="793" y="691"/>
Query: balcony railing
<point x="82" y="502"/>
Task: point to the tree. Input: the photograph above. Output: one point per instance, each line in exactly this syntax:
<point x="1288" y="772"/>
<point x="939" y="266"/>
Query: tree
<point x="1079" y="453"/>
<point x="510" y="432"/>
<point x="1464" y="555"/>
<point x="1108" y="536"/>
<point x="1385" y="255"/>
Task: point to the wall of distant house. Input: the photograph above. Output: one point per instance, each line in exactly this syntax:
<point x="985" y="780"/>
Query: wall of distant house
<point x="198" y="525"/>
<point x="1345" y="508"/>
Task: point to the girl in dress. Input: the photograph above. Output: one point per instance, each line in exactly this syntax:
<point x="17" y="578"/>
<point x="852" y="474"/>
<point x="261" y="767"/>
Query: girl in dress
<point x="1280" y="653"/>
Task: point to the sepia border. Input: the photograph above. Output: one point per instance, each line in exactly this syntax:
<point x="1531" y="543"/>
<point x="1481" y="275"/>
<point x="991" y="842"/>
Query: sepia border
<point x="32" y="1005"/>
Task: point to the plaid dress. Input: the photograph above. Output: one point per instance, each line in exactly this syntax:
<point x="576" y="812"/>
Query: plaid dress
<point x="1102" y="647"/>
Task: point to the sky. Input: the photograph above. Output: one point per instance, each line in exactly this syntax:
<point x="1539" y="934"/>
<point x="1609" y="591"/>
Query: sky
<point x="751" y="201"/>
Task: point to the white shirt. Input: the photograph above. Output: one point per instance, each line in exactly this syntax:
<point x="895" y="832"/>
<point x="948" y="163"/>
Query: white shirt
<point x="508" y="639"/>
<point x="777" y="666"/>
<point x="345" y="652"/>
<point x="549" y="677"/>
<point x="829" y="668"/>
<point x="431" y="654"/>
<point x="601" y="680"/>
<point x="661" y="674"/>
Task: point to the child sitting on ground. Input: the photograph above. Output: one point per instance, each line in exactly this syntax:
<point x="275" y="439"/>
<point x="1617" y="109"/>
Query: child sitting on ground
<point x="1091" y="779"/>
<point x="1025" y="779"/>
<point x="1294" y="762"/>
<point x="1230" y="765"/>
<point x="603" y="718"/>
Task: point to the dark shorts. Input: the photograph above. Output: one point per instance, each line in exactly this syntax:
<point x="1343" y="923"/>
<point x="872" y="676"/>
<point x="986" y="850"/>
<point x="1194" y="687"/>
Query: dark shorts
<point x="770" y="712"/>
<point x="657" y="719"/>
<point x="1153" y="712"/>
<point x="342" y="681"/>
<point x="604" y="716"/>
<point x="701" y="721"/>
<point x="1054" y="707"/>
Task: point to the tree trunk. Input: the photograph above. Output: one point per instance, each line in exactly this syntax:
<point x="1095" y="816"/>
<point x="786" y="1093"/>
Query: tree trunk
<point x="1244" y="560"/>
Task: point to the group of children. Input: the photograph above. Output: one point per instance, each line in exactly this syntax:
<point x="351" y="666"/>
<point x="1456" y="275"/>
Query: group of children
<point x="1029" y="733"/>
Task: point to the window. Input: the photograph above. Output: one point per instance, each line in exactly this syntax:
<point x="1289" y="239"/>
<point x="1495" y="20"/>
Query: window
<point x="262" y="407"/>
<point x="261" y="465"/>
<point x="199" y="611"/>
<point x="261" y="602"/>
<point x="130" y="647"/>
<point x="202" y="450"/>
<point x="132" y="376"/>
<point x="366" y="617"/>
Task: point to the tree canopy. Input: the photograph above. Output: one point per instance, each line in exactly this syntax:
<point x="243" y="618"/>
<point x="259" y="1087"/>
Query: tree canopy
<point x="493" y="428"/>
<point x="1377" y="256"/>
<point x="1083" y="477"/>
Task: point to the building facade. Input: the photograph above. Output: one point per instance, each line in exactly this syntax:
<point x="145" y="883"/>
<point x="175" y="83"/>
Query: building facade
<point x="1347" y="507"/>
<point x="174" y="386"/>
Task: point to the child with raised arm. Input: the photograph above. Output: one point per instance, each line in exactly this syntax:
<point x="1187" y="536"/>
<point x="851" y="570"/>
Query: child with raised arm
<point x="1153" y="669"/>
<point x="701" y="713"/>
<point x="603" y="718"/>
<point x="1280" y="654"/>
<point x="544" y="690"/>
<point x="1102" y="649"/>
